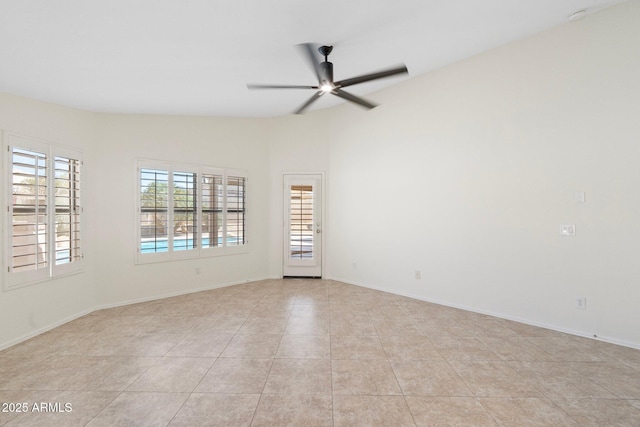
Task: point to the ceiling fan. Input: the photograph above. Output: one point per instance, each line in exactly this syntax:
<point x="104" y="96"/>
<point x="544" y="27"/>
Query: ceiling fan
<point x="324" y="73"/>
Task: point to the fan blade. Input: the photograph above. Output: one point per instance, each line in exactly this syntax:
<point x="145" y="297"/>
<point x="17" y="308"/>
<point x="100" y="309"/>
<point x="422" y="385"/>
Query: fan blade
<point x="260" y="86"/>
<point x="309" y="102"/>
<point x="373" y="76"/>
<point x="309" y="50"/>
<point x="356" y="99"/>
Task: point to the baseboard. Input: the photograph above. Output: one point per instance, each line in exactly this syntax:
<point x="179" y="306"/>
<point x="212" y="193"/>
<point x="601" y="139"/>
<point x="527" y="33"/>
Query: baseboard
<point x="44" y="329"/>
<point x="68" y="319"/>
<point x="178" y="293"/>
<point x="338" y="279"/>
<point x="556" y="328"/>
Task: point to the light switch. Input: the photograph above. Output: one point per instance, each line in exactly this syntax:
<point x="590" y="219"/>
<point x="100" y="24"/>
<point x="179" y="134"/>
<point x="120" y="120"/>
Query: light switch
<point x="580" y="197"/>
<point x="568" y="230"/>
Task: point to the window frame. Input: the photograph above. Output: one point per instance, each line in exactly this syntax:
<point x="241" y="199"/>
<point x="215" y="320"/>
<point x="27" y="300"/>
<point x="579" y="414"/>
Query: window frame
<point x="171" y="254"/>
<point x="18" y="279"/>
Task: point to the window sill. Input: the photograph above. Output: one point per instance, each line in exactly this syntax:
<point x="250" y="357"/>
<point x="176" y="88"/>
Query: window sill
<point x="13" y="286"/>
<point x="154" y="258"/>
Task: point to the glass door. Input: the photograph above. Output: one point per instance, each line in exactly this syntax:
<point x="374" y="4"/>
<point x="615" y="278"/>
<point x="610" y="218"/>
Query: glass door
<point x="303" y="226"/>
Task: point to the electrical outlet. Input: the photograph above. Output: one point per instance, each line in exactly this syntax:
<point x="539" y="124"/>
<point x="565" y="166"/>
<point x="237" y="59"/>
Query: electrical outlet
<point x="581" y="303"/>
<point x="418" y="275"/>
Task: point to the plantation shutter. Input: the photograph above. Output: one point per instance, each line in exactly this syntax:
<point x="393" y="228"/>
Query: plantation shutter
<point x="185" y="221"/>
<point x="301" y="222"/>
<point x="43" y="227"/>
<point x="212" y="205"/>
<point x="154" y="202"/>
<point x="235" y="218"/>
<point x="28" y="212"/>
<point x="68" y="210"/>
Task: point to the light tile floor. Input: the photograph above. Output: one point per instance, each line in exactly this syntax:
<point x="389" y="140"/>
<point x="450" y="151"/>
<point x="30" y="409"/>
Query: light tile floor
<point x="313" y="353"/>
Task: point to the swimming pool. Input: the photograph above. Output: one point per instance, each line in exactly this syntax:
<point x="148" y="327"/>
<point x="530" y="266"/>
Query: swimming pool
<point x="162" y="245"/>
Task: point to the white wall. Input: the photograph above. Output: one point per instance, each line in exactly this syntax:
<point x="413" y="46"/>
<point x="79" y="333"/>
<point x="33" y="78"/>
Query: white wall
<point x="220" y="142"/>
<point x="298" y="143"/>
<point x="466" y="174"/>
<point x="31" y="309"/>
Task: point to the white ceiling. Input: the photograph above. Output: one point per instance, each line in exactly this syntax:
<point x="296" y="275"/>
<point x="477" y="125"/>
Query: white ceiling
<point x="196" y="56"/>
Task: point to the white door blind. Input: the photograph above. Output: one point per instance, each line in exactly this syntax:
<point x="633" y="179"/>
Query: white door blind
<point x="301" y="221"/>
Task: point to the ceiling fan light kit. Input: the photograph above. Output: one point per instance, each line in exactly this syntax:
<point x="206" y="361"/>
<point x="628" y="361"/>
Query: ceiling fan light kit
<point x="326" y="84"/>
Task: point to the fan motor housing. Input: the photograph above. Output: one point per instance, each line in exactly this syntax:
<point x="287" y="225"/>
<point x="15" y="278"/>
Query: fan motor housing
<point x="326" y="72"/>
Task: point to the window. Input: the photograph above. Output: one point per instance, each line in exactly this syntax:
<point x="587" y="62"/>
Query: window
<point x="43" y="225"/>
<point x="188" y="211"/>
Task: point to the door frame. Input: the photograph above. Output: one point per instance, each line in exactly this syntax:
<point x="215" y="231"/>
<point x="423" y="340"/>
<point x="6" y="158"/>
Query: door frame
<point x="323" y="216"/>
